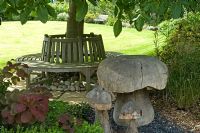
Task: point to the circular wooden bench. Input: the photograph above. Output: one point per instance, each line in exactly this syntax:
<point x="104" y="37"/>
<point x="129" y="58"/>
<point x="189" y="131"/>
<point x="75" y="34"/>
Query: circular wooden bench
<point x="62" y="54"/>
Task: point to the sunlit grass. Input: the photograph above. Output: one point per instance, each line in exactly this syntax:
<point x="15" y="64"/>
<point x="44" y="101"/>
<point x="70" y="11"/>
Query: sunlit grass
<point x="17" y="40"/>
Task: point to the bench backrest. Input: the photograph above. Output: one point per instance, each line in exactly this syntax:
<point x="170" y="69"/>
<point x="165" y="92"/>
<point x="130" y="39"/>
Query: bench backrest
<point x="86" y="49"/>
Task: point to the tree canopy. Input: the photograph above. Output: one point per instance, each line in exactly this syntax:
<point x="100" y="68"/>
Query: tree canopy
<point x="139" y="12"/>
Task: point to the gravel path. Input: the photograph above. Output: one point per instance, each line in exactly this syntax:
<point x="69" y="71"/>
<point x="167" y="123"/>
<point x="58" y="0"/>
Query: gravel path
<point x="159" y="125"/>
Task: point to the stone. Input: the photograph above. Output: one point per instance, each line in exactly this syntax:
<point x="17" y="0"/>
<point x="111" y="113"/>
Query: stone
<point x="72" y="88"/>
<point x="60" y="88"/>
<point x="128" y="73"/>
<point x="53" y="87"/>
<point x="67" y="83"/>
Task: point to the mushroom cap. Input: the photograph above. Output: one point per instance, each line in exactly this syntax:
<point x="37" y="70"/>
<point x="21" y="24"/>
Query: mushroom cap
<point x="99" y="99"/>
<point x="128" y="73"/>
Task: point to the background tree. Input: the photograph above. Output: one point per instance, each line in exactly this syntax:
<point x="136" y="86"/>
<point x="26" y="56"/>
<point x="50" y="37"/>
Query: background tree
<point x="139" y="12"/>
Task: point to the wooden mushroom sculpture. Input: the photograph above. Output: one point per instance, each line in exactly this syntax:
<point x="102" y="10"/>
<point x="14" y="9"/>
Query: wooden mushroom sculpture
<point x="128" y="77"/>
<point x="99" y="99"/>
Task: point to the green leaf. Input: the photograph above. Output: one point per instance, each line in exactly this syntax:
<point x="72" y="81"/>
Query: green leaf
<point x="117" y="27"/>
<point x="20" y="4"/>
<point x="12" y="2"/>
<point x="81" y="11"/>
<point x="93" y="2"/>
<point x="177" y="10"/>
<point x="42" y="13"/>
<point x="24" y="15"/>
<point x="116" y="11"/>
<point x="1" y="2"/>
<point x="51" y="11"/>
<point x="139" y="23"/>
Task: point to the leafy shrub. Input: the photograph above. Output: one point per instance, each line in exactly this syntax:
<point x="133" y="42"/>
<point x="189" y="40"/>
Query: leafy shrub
<point x="62" y="16"/>
<point x="182" y="55"/>
<point x="24" y="107"/>
<point x="33" y="129"/>
<point x="60" y="7"/>
<point x="12" y="73"/>
<point x="89" y="18"/>
<point x="68" y="122"/>
<point x="111" y="20"/>
<point x="89" y="128"/>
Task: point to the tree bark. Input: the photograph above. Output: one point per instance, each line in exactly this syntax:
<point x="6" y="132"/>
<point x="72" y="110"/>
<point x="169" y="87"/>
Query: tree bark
<point x="74" y="28"/>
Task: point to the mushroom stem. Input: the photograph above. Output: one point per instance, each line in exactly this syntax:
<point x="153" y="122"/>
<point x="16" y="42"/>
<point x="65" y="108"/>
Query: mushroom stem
<point x="104" y="120"/>
<point x="132" y="128"/>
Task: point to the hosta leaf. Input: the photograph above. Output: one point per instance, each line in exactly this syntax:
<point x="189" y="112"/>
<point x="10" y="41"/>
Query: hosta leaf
<point x="51" y="11"/>
<point x="42" y="13"/>
<point x="117" y="27"/>
<point x="26" y="117"/>
<point x="139" y="23"/>
<point x="81" y="11"/>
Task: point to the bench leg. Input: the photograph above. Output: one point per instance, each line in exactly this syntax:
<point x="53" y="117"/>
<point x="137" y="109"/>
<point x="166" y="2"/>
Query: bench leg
<point x="88" y="73"/>
<point x="28" y="80"/>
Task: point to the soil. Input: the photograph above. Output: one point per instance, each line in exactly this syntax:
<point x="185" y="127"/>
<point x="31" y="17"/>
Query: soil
<point x="188" y="119"/>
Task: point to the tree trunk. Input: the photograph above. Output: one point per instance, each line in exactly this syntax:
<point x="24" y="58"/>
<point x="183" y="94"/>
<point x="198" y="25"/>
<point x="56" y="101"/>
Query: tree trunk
<point x="74" y="28"/>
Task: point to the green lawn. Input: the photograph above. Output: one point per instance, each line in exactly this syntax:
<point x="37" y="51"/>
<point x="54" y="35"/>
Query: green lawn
<point x="17" y="40"/>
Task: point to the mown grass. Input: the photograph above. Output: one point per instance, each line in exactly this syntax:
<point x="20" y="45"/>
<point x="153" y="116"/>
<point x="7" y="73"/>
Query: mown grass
<point x="17" y="40"/>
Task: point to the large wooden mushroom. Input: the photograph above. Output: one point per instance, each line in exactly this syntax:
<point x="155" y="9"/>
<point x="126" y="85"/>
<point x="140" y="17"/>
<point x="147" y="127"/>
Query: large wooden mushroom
<point x="100" y="99"/>
<point x="130" y="77"/>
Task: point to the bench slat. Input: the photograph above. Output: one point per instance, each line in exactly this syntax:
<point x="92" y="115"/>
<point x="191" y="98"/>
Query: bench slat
<point x="85" y="51"/>
<point x="91" y="52"/>
<point x="57" y="52"/>
<point x="75" y="52"/>
<point x="52" y="52"/>
<point x="69" y="53"/>
<point x="80" y="50"/>
<point x="64" y="52"/>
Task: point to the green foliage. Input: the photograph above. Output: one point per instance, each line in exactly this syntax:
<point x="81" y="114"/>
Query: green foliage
<point x="111" y="21"/>
<point x="182" y="55"/>
<point x="59" y="7"/>
<point x="33" y="129"/>
<point x="89" y="128"/>
<point x="12" y="73"/>
<point x="150" y="11"/>
<point x="89" y="18"/>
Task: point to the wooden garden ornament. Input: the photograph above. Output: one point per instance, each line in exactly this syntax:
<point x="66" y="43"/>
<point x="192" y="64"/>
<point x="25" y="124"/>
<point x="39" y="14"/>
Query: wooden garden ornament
<point x="99" y="99"/>
<point x="129" y="77"/>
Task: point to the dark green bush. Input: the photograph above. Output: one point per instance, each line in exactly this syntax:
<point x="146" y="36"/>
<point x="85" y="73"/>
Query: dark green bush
<point x="182" y="56"/>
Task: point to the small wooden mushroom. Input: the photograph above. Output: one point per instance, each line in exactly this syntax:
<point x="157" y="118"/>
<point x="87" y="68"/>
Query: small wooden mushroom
<point x="99" y="99"/>
<point x="129" y="114"/>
